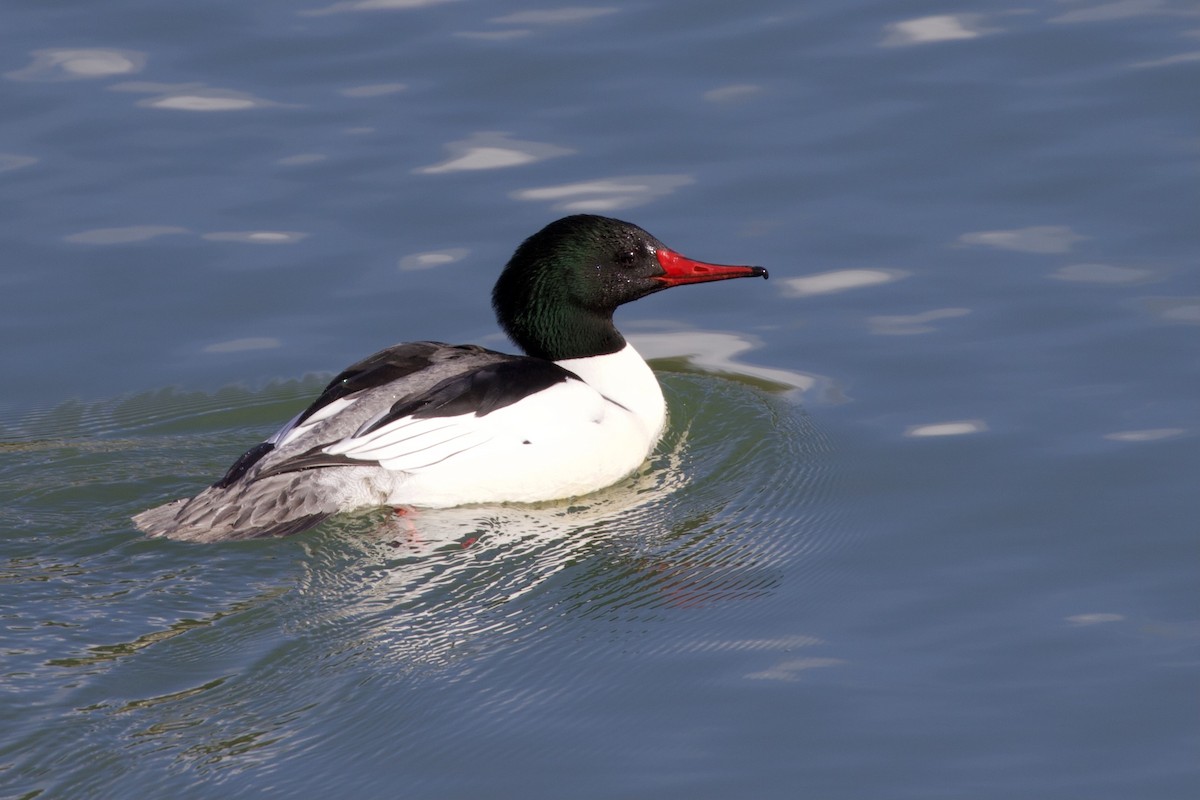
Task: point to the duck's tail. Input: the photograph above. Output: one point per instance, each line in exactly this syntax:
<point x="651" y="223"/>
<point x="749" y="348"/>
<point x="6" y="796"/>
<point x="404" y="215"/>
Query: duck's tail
<point x="276" y="506"/>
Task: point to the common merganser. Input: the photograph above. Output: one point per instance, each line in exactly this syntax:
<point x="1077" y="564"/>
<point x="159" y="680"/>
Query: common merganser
<point x="437" y="425"/>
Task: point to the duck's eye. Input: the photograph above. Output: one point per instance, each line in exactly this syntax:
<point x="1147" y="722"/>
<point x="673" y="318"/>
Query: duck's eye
<point x="626" y="258"/>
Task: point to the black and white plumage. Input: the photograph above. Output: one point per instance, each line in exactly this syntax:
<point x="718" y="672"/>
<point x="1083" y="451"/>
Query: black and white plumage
<point x="436" y="425"/>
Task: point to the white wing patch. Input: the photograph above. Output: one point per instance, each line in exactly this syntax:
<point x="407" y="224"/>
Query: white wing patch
<point x="555" y="415"/>
<point x="408" y="444"/>
<point x="291" y="431"/>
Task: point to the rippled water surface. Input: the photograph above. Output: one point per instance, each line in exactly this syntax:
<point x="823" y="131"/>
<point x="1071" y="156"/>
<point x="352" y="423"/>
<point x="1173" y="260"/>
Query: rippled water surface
<point x="923" y="523"/>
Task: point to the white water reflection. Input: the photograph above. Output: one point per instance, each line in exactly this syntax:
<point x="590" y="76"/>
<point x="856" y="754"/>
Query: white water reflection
<point x="1148" y="435"/>
<point x="493" y="150"/>
<point x="1121" y="9"/>
<point x="938" y="28"/>
<point x="370" y="5"/>
<point x="66" y="64"/>
<point x="520" y="528"/>
<point x="426" y="550"/>
<point x="140" y="233"/>
<point x="555" y="16"/>
<point x="605" y="194"/>
<point x="11" y="161"/>
<point x="1174" y="309"/>
<point x="192" y="97"/>
<point x="432" y="584"/>
<point x="526" y="21"/>
<point x="1035" y="239"/>
<point x="791" y="669"/>
<point x="302" y="159"/>
<point x="1181" y="58"/>
<point x="243" y="345"/>
<point x="131" y="233"/>
<point x="1106" y="274"/>
<point x="495" y="36"/>
<point x="732" y="94"/>
<point x="433" y="259"/>
<point x="839" y="281"/>
<point x="715" y="351"/>
<point x="956" y="428"/>
<point x="374" y="90"/>
<point x="256" y="237"/>
<point x="785" y="643"/>
<point x="910" y="324"/>
<point x="1095" y="618"/>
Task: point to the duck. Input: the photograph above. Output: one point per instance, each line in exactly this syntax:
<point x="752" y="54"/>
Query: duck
<point x="433" y="425"/>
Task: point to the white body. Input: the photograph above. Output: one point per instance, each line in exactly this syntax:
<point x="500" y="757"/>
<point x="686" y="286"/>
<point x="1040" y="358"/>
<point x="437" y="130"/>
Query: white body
<point x="570" y="439"/>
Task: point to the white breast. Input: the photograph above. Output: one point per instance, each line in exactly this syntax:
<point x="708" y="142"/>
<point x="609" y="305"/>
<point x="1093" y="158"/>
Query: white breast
<point x="625" y="378"/>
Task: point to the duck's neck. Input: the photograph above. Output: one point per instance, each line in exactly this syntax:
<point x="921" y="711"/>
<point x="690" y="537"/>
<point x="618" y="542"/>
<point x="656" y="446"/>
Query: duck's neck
<point x="559" y="333"/>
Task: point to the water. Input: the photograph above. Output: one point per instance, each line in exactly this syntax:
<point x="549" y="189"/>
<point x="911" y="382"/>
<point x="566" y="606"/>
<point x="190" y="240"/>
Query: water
<point x="922" y="524"/>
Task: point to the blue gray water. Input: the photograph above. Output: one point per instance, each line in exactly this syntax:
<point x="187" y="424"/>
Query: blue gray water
<point x="923" y="524"/>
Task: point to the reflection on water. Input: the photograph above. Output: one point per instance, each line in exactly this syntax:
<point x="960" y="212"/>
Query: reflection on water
<point x="108" y="652"/>
<point x="1121" y="9"/>
<point x="839" y="281"/>
<point x="371" y="5"/>
<point x="302" y="159"/>
<point x="684" y="532"/>
<point x="1036" y="239"/>
<point x="525" y="23"/>
<point x="956" y="428"/>
<point x="256" y="237"/>
<point x="242" y="345"/>
<point x="125" y="235"/>
<point x="939" y="28"/>
<point x="10" y="161"/>
<point x="732" y="94"/>
<point x="717" y="352"/>
<point x="1174" y="309"/>
<point x="487" y="150"/>
<point x="141" y="233"/>
<point x="1095" y="618"/>
<point x="79" y="64"/>
<point x="1106" y="274"/>
<point x="911" y="324"/>
<point x="192" y="97"/>
<point x="791" y="668"/>
<point x="554" y="16"/>
<point x="432" y="258"/>
<point x="605" y="194"/>
<point x="1169" y="61"/>
<point x="373" y="90"/>
<point x="1149" y="435"/>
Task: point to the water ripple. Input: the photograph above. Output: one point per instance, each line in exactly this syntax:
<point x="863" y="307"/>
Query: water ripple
<point x="220" y="657"/>
<point x="719" y="515"/>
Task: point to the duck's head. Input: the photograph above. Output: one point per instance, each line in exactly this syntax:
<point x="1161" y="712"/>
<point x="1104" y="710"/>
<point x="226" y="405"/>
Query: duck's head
<point x="557" y="294"/>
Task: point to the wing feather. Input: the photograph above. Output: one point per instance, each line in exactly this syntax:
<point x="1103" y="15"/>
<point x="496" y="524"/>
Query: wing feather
<point x="407" y="408"/>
